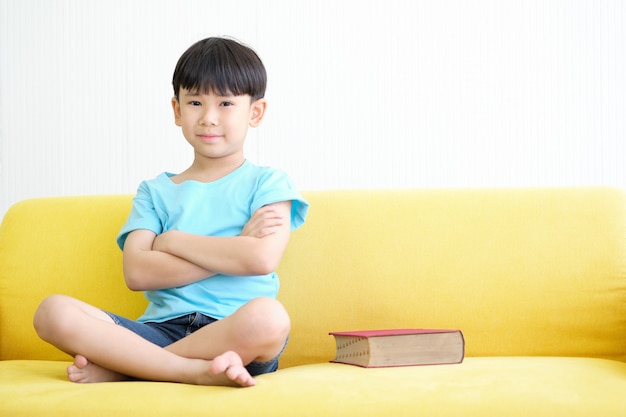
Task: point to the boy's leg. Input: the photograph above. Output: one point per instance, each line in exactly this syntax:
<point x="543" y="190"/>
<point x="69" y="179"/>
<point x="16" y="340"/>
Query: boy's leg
<point x="80" y="329"/>
<point x="257" y="332"/>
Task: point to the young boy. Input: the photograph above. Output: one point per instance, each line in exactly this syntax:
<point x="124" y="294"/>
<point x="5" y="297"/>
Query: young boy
<point x="203" y="246"/>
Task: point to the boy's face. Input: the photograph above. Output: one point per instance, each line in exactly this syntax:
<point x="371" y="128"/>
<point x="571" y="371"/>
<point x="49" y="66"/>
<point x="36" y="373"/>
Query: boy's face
<point x="215" y="125"/>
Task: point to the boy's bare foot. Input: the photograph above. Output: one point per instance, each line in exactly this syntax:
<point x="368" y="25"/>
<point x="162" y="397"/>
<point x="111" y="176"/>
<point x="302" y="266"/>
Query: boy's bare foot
<point x="228" y="367"/>
<point x="83" y="371"/>
<point x="225" y="370"/>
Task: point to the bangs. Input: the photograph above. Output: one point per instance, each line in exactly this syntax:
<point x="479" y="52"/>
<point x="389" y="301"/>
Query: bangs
<point x="220" y="66"/>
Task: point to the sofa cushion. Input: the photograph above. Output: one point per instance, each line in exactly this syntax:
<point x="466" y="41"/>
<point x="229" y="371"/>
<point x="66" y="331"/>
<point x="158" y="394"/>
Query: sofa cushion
<point x="498" y="386"/>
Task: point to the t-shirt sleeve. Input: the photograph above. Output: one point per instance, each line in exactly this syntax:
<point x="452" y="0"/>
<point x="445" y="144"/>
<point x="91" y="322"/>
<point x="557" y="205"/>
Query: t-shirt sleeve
<point x="142" y="215"/>
<point x="275" y="186"/>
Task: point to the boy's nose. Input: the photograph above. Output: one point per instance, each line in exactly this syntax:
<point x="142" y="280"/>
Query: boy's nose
<point x="209" y="118"/>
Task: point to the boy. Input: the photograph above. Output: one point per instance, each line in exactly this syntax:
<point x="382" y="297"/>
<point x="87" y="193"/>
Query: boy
<point x="203" y="246"/>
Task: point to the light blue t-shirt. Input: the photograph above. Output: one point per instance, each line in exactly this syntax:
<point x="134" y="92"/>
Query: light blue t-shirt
<point x="219" y="208"/>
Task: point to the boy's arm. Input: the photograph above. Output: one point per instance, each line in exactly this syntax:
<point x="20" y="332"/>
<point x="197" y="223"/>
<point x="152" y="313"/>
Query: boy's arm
<point x="237" y="255"/>
<point x="147" y="267"/>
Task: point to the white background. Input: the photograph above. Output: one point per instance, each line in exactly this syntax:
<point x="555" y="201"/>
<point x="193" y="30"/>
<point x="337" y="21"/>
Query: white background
<point x="363" y="93"/>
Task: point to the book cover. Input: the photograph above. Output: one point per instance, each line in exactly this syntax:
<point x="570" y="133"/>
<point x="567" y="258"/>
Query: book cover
<point x="399" y="347"/>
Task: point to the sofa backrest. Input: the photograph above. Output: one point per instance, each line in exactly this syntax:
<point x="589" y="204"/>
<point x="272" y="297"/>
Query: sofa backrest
<point x="519" y="271"/>
<point x="59" y="245"/>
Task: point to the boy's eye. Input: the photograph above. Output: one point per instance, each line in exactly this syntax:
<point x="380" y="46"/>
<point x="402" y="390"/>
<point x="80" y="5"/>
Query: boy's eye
<point x="195" y="103"/>
<point x="226" y="103"/>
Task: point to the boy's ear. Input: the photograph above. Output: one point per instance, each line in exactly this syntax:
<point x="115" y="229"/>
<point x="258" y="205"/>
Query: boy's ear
<point x="257" y="112"/>
<point x="176" y="108"/>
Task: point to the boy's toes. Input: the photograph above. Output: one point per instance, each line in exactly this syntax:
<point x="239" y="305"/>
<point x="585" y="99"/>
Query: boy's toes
<point x="230" y="365"/>
<point x="240" y="376"/>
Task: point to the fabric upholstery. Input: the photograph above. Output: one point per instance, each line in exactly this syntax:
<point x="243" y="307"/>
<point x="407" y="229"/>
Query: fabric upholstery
<point x="535" y="279"/>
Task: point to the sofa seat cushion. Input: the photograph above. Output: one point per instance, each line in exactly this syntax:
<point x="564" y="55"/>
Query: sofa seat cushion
<point x="485" y="386"/>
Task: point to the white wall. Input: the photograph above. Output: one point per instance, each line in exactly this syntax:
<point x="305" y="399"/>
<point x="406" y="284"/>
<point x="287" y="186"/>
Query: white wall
<point x="363" y="93"/>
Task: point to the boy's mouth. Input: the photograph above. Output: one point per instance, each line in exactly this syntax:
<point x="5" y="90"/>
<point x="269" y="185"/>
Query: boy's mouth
<point x="210" y="138"/>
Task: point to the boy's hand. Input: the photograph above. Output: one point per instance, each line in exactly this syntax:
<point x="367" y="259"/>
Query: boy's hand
<point x="264" y="222"/>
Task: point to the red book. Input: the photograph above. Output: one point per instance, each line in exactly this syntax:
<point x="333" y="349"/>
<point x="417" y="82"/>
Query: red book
<point x="399" y="347"/>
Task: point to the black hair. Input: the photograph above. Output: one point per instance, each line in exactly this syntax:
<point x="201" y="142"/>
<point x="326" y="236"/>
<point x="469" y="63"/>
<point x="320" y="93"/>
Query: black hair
<point x="222" y="66"/>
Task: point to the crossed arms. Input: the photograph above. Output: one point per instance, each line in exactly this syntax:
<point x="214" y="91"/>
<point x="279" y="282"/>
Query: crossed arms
<point x="176" y="258"/>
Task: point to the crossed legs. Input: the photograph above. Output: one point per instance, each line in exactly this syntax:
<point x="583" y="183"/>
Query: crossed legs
<point x="213" y="355"/>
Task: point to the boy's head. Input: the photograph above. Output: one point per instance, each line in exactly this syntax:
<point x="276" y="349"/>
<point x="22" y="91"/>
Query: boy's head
<point x="222" y="66"/>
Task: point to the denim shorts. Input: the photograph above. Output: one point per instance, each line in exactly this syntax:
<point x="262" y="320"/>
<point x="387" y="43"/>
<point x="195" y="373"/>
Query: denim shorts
<point x="170" y="331"/>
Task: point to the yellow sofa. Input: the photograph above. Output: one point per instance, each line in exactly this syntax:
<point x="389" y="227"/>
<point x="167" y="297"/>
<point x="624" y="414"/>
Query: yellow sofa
<point x="535" y="279"/>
